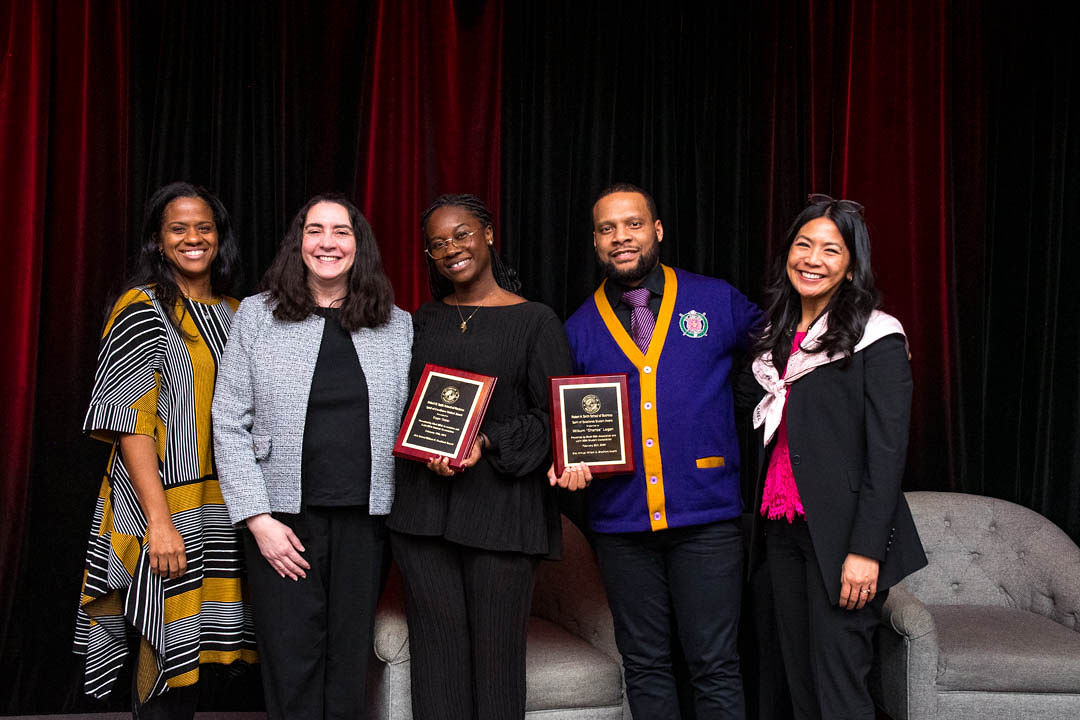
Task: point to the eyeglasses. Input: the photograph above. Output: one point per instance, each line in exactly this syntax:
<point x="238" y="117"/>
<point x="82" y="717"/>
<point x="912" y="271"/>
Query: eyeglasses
<point x="848" y="206"/>
<point x="438" y="247"/>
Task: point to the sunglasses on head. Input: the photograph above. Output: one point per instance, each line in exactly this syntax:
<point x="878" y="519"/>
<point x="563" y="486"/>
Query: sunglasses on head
<point x="848" y="206"/>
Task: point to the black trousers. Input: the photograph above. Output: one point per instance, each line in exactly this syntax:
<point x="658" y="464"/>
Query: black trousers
<point x="468" y="612"/>
<point x="315" y="634"/>
<point x="694" y="573"/>
<point x="827" y="650"/>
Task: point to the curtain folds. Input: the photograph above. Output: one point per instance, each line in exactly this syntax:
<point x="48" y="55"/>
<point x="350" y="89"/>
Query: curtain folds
<point x="1022" y="399"/>
<point x="24" y="125"/>
<point x="731" y="115"/>
<point x="956" y="124"/>
<point x="658" y="95"/>
<point x="880" y="103"/>
<point x="432" y="123"/>
<point x="64" y="115"/>
<point x="266" y="104"/>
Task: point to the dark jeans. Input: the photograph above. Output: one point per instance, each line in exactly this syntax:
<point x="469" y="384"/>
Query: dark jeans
<point x="827" y="650"/>
<point x="695" y="574"/>
<point x="315" y="634"/>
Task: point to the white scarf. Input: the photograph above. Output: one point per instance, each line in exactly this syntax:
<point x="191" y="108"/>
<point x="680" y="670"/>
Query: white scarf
<point x="771" y="408"/>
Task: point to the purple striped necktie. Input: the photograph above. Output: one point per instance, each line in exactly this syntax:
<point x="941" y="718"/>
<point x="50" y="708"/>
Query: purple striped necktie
<point x="641" y="318"/>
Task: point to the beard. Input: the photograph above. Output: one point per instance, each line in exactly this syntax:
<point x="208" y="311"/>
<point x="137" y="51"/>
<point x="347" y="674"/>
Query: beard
<point x="632" y="275"/>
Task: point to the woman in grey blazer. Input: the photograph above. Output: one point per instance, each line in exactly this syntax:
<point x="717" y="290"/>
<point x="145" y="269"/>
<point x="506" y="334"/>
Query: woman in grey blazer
<point x="309" y="397"/>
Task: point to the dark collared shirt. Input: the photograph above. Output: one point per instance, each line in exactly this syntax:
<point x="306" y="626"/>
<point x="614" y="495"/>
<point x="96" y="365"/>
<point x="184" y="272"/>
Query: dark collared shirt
<point x="614" y="291"/>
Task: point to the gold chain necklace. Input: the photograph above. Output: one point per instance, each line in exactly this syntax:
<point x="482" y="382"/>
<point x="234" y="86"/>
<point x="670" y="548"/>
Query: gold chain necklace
<point x="465" y="320"/>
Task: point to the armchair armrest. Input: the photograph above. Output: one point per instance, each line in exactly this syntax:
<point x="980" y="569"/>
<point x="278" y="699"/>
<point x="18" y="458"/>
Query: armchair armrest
<point x="904" y="678"/>
<point x="570" y="593"/>
<point x="391" y="629"/>
<point x="907" y="615"/>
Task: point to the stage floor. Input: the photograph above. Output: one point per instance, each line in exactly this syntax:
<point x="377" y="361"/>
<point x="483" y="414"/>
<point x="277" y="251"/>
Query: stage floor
<point x="127" y="716"/>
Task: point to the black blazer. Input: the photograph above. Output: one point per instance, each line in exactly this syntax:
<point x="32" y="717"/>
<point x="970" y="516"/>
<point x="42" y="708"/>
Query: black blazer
<point x="847" y="425"/>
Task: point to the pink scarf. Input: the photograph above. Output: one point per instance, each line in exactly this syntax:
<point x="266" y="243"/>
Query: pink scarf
<point x="771" y="408"/>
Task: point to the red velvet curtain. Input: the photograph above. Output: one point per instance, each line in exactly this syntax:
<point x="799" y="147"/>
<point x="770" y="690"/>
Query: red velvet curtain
<point x="433" y="119"/>
<point x="891" y="150"/>
<point x="866" y="104"/>
<point x="63" y="134"/>
<point x="24" y="96"/>
<point x="70" y="112"/>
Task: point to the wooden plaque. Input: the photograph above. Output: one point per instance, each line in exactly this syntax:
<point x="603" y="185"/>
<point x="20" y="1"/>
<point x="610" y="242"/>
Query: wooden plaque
<point x="444" y="415"/>
<point x="590" y="423"/>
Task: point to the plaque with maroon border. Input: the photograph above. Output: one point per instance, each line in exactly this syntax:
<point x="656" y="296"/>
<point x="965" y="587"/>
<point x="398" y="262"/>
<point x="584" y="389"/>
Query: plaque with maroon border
<point x="444" y="415"/>
<point x="590" y="423"/>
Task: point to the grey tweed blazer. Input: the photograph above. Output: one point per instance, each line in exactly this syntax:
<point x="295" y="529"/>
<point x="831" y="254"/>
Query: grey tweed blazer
<point x="260" y="405"/>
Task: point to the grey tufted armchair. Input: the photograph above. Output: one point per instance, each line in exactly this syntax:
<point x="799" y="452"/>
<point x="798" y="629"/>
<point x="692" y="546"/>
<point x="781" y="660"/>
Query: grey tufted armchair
<point x="991" y="627"/>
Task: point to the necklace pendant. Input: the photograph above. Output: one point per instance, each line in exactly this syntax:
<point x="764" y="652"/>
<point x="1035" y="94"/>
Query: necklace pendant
<point x="463" y="323"/>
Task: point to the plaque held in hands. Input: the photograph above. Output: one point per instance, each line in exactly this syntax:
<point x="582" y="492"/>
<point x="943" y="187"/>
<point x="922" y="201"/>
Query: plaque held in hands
<point x="444" y="415"/>
<point x="590" y="423"/>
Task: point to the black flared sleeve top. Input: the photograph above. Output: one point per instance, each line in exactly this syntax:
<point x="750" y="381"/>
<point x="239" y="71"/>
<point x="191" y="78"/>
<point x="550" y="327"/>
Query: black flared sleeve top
<point x="504" y="502"/>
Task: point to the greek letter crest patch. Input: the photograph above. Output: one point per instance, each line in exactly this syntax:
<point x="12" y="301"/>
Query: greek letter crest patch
<point x="693" y="324"/>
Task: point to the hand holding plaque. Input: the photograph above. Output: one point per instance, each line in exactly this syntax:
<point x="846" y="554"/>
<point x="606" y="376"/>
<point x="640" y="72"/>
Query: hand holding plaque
<point x="590" y="423"/>
<point x="444" y="415"/>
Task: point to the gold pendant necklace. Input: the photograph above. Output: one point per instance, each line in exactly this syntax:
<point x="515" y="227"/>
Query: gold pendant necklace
<point x="465" y="320"/>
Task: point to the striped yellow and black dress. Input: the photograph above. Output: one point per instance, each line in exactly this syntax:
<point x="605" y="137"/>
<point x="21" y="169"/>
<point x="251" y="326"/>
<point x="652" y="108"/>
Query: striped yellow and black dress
<point x="152" y="380"/>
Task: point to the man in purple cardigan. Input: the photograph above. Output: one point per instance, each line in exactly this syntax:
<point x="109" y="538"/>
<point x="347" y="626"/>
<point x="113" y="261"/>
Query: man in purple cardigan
<point x="668" y="536"/>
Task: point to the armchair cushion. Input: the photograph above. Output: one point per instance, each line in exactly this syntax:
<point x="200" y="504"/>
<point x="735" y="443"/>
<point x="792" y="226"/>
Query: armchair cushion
<point x="999" y="649"/>
<point x="991" y="627"/>
<point x="564" y="671"/>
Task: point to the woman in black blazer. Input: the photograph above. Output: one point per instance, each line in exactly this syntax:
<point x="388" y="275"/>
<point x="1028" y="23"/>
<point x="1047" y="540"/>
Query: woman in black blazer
<point x="835" y="396"/>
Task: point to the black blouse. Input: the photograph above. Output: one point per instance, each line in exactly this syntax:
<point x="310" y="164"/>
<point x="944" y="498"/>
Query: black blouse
<point x="504" y="502"/>
<point x="335" y="463"/>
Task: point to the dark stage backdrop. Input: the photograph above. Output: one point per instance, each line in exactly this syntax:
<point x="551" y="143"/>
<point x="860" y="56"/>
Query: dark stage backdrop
<point x="266" y="103"/>
<point x="956" y="126"/>
<point x="64" y="111"/>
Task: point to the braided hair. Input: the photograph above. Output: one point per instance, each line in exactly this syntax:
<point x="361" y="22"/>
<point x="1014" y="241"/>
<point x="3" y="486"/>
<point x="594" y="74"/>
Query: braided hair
<point x="505" y="276"/>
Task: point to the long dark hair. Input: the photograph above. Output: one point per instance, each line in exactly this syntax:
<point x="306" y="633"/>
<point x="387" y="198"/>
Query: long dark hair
<point x="850" y="306"/>
<point x="505" y="276"/>
<point x="369" y="295"/>
<point x="151" y="266"/>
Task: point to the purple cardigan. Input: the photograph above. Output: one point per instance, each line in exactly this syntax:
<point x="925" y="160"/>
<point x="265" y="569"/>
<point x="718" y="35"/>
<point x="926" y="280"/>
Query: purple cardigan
<point x="685" y="449"/>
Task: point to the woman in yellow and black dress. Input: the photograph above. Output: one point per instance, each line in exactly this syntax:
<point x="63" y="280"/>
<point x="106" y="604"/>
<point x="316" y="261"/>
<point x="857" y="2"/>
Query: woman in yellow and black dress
<point x="162" y="587"/>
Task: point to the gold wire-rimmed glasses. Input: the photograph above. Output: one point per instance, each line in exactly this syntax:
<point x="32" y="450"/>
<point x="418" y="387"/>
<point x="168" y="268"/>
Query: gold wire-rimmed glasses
<point x="438" y="247"/>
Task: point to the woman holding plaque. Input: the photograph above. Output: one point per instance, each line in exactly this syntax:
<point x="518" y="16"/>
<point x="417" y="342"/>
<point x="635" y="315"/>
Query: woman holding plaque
<point x="835" y="394"/>
<point x="309" y="398"/>
<point x="468" y="543"/>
